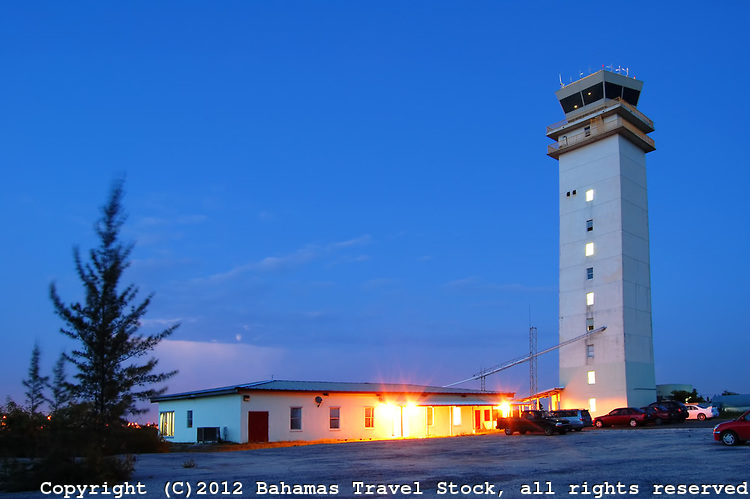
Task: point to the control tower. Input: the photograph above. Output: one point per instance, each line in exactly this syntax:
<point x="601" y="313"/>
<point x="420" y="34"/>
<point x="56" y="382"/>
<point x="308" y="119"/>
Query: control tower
<point x="605" y="277"/>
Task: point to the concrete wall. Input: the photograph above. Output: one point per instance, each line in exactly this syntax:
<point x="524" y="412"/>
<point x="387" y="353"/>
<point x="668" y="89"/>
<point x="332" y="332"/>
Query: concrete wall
<point x="623" y="354"/>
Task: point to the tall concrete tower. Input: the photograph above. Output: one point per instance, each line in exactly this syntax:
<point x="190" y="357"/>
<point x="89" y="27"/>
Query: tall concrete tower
<point x="605" y="277"/>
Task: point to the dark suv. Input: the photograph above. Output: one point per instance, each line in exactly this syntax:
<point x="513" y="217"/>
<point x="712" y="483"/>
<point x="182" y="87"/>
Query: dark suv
<point x="677" y="409"/>
<point x="660" y="414"/>
<point x="579" y="418"/>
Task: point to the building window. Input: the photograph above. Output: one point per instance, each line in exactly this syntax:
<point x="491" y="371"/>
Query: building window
<point x="589" y="249"/>
<point x="589" y="299"/>
<point x="591" y="377"/>
<point x="589" y="225"/>
<point x="590" y="351"/>
<point x="589" y="195"/>
<point x="589" y="324"/>
<point x="190" y="419"/>
<point x="166" y="424"/>
<point x="430" y="416"/>
<point x="590" y="273"/>
<point x="456" y="415"/>
<point x="369" y="417"/>
<point x="295" y="419"/>
<point x="587" y="131"/>
<point x="592" y="405"/>
<point x="335" y="418"/>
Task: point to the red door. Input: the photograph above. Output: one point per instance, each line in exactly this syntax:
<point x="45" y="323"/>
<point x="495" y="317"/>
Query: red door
<point x="257" y="426"/>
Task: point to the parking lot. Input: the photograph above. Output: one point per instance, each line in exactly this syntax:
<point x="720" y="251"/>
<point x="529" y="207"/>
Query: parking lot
<point x="594" y="463"/>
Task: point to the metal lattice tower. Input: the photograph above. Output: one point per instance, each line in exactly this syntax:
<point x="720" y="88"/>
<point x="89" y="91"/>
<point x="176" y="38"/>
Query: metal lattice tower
<point x="507" y="365"/>
<point x="533" y="385"/>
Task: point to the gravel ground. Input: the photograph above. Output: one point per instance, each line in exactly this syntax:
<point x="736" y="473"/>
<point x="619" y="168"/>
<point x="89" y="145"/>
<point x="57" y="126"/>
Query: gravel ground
<point x="593" y="464"/>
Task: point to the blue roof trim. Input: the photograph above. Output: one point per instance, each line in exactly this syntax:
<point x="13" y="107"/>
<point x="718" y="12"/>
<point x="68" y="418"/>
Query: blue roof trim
<point x="324" y="386"/>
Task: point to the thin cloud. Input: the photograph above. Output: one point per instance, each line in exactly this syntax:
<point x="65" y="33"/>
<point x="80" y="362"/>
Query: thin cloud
<point x="292" y="260"/>
<point x="214" y="364"/>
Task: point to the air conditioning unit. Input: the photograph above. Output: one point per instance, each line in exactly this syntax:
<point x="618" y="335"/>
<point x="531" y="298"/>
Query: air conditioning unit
<point x="209" y="434"/>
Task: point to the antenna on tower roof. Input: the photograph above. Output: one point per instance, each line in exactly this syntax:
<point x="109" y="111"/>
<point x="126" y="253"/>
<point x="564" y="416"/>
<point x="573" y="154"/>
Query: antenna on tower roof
<point x="561" y="83"/>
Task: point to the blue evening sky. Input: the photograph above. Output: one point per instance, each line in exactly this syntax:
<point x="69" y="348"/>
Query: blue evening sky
<point x="359" y="190"/>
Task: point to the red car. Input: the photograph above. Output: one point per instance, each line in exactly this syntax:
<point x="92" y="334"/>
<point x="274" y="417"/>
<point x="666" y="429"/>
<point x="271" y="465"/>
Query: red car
<point x="631" y="416"/>
<point x="733" y="432"/>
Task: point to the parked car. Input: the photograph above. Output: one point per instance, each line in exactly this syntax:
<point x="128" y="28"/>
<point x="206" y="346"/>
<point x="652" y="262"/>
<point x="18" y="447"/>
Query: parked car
<point x="578" y="418"/>
<point x="631" y="416"/>
<point x="673" y="405"/>
<point x="733" y="432"/>
<point x="701" y="412"/>
<point x="659" y="415"/>
<point x="533" y="421"/>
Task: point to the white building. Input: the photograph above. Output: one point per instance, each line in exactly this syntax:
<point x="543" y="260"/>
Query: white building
<point x="274" y="411"/>
<point x="605" y="278"/>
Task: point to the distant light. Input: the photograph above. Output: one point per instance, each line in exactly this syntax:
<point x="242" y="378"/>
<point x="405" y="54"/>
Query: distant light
<point x="504" y="409"/>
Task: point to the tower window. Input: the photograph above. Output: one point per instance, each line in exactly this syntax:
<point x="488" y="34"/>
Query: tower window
<point x="589" y="351"/>
<point x="589" y="299"/>
<point x="589" y="249"/>
<point x="589" y="225"/>
<point x="587" y="131"/>
<point x="591" y="377"/>
<point x="590" y="273"/>
<point x="592" y="405"/>
<point x="590" y="324"/>
<point x="589" y="195"/>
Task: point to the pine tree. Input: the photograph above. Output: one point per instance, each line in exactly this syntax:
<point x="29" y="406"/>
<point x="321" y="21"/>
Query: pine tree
<point x="61" y="396"/>
<point x="35" y="384"/>
<point x="112" y="373"/>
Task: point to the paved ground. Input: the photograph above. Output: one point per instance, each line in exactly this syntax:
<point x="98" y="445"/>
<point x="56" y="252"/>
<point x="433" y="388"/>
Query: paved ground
<point x="592" y="464"/>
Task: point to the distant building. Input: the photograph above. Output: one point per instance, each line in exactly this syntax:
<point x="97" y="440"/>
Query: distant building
<point x="665" y="391"/>
<point x="605" y="277"/>
<point x="273" y="411"/>
<point x="732" y="403"/>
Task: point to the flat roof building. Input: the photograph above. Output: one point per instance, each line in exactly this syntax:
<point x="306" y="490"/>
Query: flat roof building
<point x="278" y="410"/>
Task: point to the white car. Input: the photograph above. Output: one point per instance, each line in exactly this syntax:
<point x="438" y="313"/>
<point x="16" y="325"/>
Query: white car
<point x="700" y="412"/>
